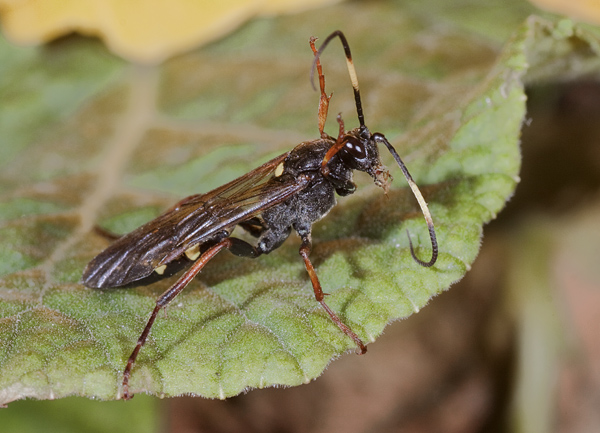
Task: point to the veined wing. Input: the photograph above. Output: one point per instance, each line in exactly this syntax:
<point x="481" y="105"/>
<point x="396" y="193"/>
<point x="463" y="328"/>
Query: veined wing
<point x="192" y="221"/>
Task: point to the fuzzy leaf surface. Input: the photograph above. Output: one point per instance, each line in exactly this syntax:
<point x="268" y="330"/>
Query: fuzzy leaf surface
<point x="89" y="139"/>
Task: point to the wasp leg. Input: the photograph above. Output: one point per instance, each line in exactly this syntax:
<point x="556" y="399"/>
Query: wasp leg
<point x="243" y="249"/>
<point x="338" y="145"/>
<point x="254" y="226"/>
<point x="324" y="99"/>
<point x="319" y="295"/>
<point x="166" y="298"/>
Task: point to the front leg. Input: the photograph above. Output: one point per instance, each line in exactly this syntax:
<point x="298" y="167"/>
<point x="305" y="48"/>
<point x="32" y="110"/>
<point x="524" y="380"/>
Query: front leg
<point x="319" y="295"/>
<point x="343" y="186"/>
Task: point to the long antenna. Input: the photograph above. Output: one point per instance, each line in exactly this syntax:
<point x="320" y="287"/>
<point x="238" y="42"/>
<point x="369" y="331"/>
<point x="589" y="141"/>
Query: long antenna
<point x="379" y="138"/>
<point x="424" y="208"/>
<point x="351" y="71"/>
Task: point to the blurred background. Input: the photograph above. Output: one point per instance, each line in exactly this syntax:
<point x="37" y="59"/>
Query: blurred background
<point x="512" y="347"/>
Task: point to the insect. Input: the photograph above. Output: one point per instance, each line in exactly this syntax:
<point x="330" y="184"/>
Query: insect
<point x="292" y="191"/>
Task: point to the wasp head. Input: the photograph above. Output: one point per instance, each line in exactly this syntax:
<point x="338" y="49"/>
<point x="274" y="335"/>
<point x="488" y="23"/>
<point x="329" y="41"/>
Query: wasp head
<point x="360" y="152"/>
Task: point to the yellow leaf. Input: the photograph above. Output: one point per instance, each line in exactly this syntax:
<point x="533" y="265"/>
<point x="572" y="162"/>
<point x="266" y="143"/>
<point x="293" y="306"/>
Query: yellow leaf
<point x="146" y="31"/>
<point x="287" y="6"/>
<point x="585" y="10"/>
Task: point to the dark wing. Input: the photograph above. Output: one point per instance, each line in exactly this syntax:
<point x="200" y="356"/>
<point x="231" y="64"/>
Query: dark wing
<point x="192" y="221"/>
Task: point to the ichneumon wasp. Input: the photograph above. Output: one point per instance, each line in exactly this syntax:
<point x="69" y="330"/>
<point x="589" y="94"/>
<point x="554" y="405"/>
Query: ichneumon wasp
<point x="291" y="191"/>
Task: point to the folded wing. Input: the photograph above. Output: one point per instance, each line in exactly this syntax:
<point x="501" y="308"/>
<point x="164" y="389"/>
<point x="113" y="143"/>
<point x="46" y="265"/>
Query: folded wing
<point x="194" y="220"/>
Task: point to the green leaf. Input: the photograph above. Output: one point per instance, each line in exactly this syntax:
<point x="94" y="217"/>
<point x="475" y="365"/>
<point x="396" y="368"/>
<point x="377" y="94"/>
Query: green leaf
<point x="89" y="139"/>
<point x="74" y="415"/>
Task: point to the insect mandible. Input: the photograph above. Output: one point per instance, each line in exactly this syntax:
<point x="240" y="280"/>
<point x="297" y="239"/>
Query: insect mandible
<point x="292" y="191"/>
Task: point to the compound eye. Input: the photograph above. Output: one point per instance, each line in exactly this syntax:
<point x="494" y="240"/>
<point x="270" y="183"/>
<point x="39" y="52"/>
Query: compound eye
<point x="355" y="148"/>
